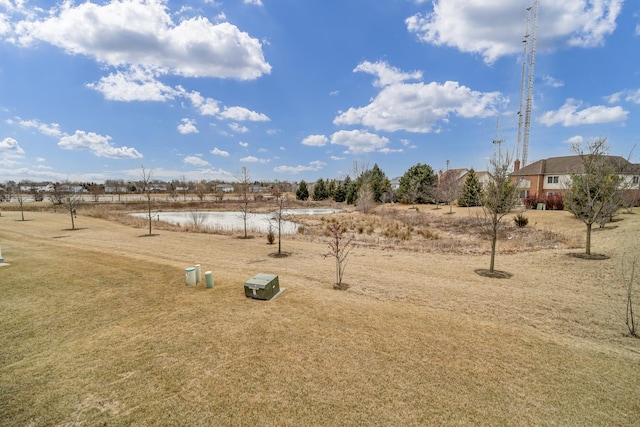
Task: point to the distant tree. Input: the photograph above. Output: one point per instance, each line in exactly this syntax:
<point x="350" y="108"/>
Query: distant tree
<point x="417" y="185"/>
<point x="351" y="190"/>
<point x="71" y="202"/>
<point x="302" y="193"/>
<point x="35" y="193"/>
<point x="499" y="198"/>
<point x="448" y="188"/>
<point x="365" y="201"/>
<point x="331" y="188"/>
<point x="377" y="180"/>
<point x="280" y="198"/>
<point x="244" y="183"/>
<point x="201" y="190"/>
<point x="340" y="193"/>
<point x="184" y="186"/>
<point x="120" y="187"/>
<point x="56" y="195"/>
<point x="471" y="193"/>
<point x="95" y="190"/>
<point x="320" y="191"/>
<point x="595" y="193"/>
<point x="145" y="185"/>
<point x="339" y="248"/>
<point x="21" y="198"/>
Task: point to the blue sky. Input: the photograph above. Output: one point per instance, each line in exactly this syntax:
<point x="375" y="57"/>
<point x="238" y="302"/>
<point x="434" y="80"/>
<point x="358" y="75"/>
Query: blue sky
<point x="296" y="89"/>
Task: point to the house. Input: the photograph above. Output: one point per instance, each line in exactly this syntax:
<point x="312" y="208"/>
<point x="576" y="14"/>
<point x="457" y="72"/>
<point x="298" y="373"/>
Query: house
<point x="224" y="188"/>
<point x="553" y="175"/>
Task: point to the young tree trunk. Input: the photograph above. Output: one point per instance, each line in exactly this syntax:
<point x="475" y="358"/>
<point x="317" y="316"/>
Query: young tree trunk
<point x="73" y="224"/>
<point x="588" y="250"/>
<point x="494" y="239"/>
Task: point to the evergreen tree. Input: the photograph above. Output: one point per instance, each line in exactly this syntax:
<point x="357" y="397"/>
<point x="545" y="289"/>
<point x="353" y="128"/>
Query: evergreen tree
<point x="331" y="188"/>
<point x="320" y="190"/>
<point x="417" y="185"/>
<point x="351" y="190"/>
<point x="302" y="193"/>
<point x="471" y="194"/>
<point x="340" y="194"/>
<point x="377" y="180"/>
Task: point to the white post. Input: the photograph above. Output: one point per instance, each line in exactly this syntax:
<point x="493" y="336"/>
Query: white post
<point x="1" y="259"/>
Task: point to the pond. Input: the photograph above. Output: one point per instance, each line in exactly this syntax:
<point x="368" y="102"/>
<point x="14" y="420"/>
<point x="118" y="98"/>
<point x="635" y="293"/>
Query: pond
<point x="233" y="221"/>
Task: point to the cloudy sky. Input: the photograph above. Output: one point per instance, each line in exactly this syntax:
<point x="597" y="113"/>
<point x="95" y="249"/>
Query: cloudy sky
<point x="296" y="89"/>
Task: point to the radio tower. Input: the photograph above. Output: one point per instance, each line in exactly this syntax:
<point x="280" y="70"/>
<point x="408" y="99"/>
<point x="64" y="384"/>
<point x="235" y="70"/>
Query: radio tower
<point x="531" y="40"/>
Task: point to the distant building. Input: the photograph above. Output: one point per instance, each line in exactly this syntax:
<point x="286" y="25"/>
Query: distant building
<point x="553" y="175"/>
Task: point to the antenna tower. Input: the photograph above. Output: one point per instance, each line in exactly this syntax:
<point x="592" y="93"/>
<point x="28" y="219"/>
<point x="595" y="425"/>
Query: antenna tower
<point x="522" y="81"/>
<point x="497" y="140"/>
<point x="531" y="40"/>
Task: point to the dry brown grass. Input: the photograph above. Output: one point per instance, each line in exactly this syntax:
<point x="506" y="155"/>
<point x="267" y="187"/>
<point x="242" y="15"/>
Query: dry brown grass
<point x="98" y="328"/>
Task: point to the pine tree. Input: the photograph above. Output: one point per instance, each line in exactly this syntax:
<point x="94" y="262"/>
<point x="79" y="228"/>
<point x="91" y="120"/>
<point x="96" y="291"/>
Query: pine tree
<point x="320" y="190"/>
<point x="302" y="193"/>
<point x="340" y="194"/>
<point x="471" y="194"/>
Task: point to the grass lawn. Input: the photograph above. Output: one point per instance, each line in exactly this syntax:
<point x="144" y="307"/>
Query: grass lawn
<point x="97" y="327"/>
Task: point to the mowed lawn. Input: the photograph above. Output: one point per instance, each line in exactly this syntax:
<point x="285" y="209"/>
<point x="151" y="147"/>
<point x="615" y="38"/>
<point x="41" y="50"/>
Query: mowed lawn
<point x="97" y="327"/>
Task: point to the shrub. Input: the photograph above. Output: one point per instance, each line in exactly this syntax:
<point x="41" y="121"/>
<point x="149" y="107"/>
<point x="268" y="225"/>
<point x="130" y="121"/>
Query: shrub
<point x="271" y="236"/>
<point x="551" y="201"/>
<point x="521" y="220"/>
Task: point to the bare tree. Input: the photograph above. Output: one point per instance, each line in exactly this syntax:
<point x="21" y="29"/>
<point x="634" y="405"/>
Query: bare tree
<point x="96" y="190"/>
<point x="21" y="198"/>
<point x="628" y="278"/>
<point x="280" y="198"/>
<point x="56" y="195"/>
<point x="339" y="248"/>
<point x="595" y="192"/>
<point x="244" y="182"/>
<point x="145" y="182"/>
<point x="500" y="196"/>
<point x="184" y="186"/>
<point x="71" y="202"/>
<point x="449" y="186"/>
<point x="365" y="201"/>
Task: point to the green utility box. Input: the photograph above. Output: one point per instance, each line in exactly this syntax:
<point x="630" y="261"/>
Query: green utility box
<point x="262" y="286"/>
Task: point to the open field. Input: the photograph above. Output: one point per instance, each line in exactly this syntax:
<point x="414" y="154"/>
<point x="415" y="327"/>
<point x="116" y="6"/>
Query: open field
<point x="97" y="327"/>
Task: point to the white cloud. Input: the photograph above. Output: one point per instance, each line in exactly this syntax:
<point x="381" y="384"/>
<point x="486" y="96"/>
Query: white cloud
<point x="494" y="28"/>
<point x="195" y="161"/>
<point x="252" y="159"/>
<point x="359" y="141"/>
<point x="417" y="107"/>
<point x="52" y="129"/>
<point x="386" y="75"/>
<point x="237" y="128"/>
<point x="337" y="158"/>
<point x="577" y="139"/>
<point x="139" y="32"/>
<point x="391" y="150"/>
<point x="311" y="167"/>
<point x="99" y="145"/>
<point x="550" y="81"/>
<point x="218" y="152"/>
<point x="243" y="144"/>
<point x="241" y="114"/>
<point x="570" y="115"/>
<point x="254" y="2"/>
<point x="629" y="95"/>
<point x="315" y="141"/>
<point x="187" y="126"/>
<point x="10" y="146"/>
<point x="134" y="84"/>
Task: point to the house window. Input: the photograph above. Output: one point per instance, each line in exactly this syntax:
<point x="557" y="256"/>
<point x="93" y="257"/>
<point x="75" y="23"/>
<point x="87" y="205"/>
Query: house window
<point x="552" y="179"/>
<point x="636" y="179"/>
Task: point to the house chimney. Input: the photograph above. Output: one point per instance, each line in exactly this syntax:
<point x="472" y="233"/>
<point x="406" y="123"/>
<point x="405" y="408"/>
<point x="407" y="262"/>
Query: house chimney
<point x="516" y="165"/>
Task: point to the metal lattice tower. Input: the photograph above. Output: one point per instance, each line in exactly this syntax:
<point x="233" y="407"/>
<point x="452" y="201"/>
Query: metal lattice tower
<point x="532" y="58"/>
<point x="525" y="45"/>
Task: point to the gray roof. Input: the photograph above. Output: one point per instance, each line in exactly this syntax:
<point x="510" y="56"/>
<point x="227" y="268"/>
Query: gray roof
<point x="573" y="164"/>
